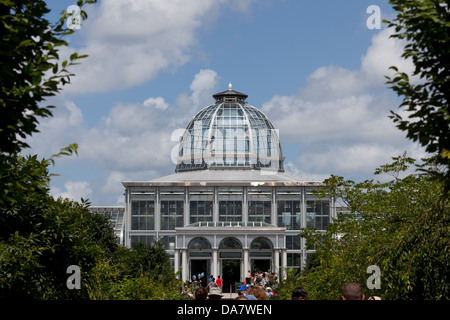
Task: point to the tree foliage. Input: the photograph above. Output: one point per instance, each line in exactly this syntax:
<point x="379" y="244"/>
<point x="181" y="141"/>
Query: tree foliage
<point x="402" y="226"/>
<point x="41" y="236"/>
<point x="425" y="25"/>
<point x="31" y="69"/>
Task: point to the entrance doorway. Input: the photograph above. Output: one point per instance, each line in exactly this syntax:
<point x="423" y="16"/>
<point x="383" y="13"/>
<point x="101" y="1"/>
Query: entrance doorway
<point x="199" y="266"/>
<point x="260" y="265"/>
<point x="231" y="273"/>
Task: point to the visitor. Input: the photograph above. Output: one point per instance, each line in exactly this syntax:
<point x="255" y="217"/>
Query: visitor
<point x="270" y="293"/>
<point x="200" y="293"/>
<point x="215" y="294"/>
<point x="299" y="293"/>
<point x="210" y="279"/>
<point x="211" y="282"/>
<point x="243" y="288"/>
<point x="258" y="292"/>
<point x="352" y="291"/>
<point x="203" y="281"/>
<point x="248" y="279"/>
<point x="219" y="283"/>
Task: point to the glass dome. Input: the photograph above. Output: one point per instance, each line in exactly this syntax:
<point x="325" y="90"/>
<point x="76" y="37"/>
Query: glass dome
<point x="230" y="134"/>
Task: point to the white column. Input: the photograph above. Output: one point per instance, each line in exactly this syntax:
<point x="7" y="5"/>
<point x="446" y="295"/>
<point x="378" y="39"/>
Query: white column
<point x="303" y="210"/>
<point x="215" y="263"/>
<point x="186" y="213"/>
<point x="177" y="261"/>
<point x="333" y="214"/>
<point x="276" y="263"/>
<point x="244" y="205"/>
<point x="184" y="265"/>
<point x="283" y="264"/>
<point x="157" y="211"/>
<point x="216" y="205"/>
<point x="246" y="264"/>
<point x="274" y="208"/>
<point x="127" y="218"/>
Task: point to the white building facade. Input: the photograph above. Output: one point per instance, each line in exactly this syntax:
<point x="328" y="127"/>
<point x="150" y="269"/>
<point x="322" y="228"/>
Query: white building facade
<point x="229" y="207"/>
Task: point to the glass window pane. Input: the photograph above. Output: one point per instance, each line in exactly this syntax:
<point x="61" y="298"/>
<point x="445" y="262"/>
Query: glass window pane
<point x="259" y="211"/>
<point x="142" y="215"/>
<point x="230" y="210"/>
<point x="289" y="214"/>
<point x="171" y="214"/>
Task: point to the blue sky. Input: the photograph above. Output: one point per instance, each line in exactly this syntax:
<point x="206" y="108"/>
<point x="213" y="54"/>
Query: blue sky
<point x="313" y="66"/>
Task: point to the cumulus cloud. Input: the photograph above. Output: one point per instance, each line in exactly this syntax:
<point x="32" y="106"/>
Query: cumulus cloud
<point x="74" y="190"/>
<point x="340" y="117"/>
<point x="131" y="41"/>
<point x="138" y="136"/>
<point x="204" y="83"/>
<point x="64" y="128"/>
<point x="382" y="54"/>
<point x="134" y="141"/>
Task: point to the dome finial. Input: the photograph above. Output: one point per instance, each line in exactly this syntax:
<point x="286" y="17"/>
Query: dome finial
<point x="230" y="86"/>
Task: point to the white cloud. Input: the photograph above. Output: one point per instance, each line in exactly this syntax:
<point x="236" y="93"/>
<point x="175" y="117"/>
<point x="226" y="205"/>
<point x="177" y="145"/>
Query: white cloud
<point x="290" y="168"/>
<point x="203" y="84"/>
<point x="340" y="117"/>
<point x="74" y="190"/>
<point x="382" y="54"/>
<point x="132" y="142"/>
<point x="157" y="103"/>
<point x="64" y="128"/>
<point x="130" y="41"/>
<point x="138" y="136"/>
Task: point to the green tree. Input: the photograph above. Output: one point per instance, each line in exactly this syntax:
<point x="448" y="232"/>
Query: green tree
<point x="143" y="272"/>
<point x="31" y="69"/>
<point x="425" y="25"/>
<point x="402" y="226"/>
<point x="39" y="236"/>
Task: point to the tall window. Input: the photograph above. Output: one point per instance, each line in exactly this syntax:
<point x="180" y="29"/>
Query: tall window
<point x="171" y="214"/>
<point x="317" y="214"/>
<point x="293" y="260"/>
<point x="144" y="239"/>
<point x="289" y="214"/>
<point x="259" y="211"/>
<point x="230" y="210"/>
<point x="293" y="242"/>
<point x="201" y="211"/>
<point x="143" y="215"/>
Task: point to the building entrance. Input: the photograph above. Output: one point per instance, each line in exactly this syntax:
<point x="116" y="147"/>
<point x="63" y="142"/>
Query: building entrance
<point x="260" y="265"/>
<point x="231" y="273"/>
<point x="199" y="266"/>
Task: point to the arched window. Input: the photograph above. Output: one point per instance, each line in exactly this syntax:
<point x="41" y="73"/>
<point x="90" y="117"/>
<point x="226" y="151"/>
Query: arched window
<point x="261" y="244"/>
<point x="199" y="243"/>
<point x="230" y="243"/>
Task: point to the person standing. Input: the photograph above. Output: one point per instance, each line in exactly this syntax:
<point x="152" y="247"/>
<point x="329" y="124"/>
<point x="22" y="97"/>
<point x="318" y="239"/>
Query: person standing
<point x="219" y="283"/>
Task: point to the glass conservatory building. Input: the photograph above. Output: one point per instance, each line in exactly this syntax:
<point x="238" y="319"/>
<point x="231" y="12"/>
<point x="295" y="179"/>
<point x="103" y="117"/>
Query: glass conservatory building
<point x="229" y="207"/>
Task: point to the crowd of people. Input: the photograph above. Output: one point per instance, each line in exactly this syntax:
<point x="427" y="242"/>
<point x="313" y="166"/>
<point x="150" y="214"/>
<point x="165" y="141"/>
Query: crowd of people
<point x="256" y="286"/>
<point x="200" y="287"/>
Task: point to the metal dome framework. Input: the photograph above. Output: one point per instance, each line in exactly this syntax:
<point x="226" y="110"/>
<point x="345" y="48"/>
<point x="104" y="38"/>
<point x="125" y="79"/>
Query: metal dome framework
<point x="230" y="134"/>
